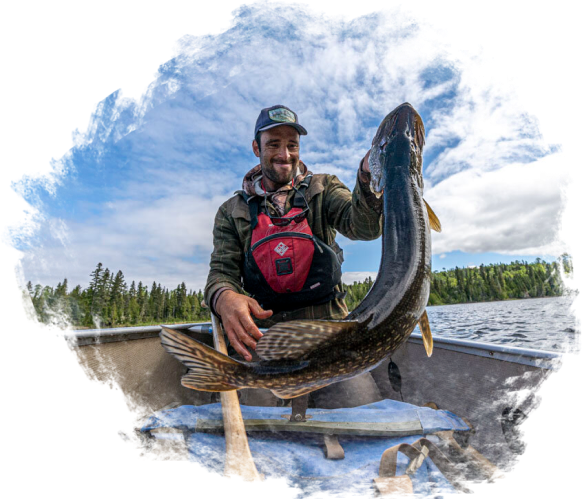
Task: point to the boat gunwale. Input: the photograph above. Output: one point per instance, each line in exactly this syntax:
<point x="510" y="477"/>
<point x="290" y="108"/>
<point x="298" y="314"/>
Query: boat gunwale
<point x="526" y="356"/>
<point x="516" y="355"/>
<point x="84" y="337"/>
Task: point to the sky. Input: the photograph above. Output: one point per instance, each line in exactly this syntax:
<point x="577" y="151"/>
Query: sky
<point x="148" y="168"/>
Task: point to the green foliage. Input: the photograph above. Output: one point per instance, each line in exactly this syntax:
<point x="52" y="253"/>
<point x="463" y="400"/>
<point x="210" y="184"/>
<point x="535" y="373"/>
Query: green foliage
<point x="485" y="283"/>
<point x="108" y="302"/>
<point x="496" y="282"/>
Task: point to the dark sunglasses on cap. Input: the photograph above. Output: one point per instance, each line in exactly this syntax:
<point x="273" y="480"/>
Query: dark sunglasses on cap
<point x="283" y="221"/>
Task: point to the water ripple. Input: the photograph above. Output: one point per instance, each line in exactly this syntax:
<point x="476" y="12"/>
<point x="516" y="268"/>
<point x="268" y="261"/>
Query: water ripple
<point x="539" y="323"/>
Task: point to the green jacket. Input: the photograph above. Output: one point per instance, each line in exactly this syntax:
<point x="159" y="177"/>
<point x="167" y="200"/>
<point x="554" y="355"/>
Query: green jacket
<point x="333" y="208"/>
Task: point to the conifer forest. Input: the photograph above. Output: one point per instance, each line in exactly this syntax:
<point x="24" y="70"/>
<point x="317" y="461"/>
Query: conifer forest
<point x="110" y="302"/>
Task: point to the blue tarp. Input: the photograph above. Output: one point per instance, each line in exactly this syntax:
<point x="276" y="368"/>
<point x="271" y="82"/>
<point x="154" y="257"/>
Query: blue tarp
<point x="299" y="456"/>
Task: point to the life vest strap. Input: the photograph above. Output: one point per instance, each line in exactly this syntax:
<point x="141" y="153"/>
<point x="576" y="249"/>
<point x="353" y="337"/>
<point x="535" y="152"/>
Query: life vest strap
<point x="254" y="202"/>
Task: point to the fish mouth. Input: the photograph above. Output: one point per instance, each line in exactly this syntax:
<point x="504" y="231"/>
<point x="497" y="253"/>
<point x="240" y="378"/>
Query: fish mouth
<point x="403" y="125"/>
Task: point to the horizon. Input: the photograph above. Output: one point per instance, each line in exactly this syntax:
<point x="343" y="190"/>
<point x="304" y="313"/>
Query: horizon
<point x="351" y="278"/>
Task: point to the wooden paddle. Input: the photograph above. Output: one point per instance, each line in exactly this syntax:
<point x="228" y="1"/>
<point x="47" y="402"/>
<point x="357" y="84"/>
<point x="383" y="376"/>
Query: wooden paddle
<point x="238" y="461"/>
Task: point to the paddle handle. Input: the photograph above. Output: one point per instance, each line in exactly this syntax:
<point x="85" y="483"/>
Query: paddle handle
<point x="238" y="460"/>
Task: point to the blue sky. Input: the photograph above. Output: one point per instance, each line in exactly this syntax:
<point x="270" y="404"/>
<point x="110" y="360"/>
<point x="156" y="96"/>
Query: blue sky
<point x="140" y="189"/>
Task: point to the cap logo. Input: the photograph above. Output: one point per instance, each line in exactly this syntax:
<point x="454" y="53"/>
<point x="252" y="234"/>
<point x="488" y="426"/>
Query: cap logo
<point x="282" y="115"/>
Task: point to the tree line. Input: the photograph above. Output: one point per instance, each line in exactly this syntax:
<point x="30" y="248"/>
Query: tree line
<point x="497" y="282"/>
<point x="485" y="283"/>
<point x="110" y="302"/>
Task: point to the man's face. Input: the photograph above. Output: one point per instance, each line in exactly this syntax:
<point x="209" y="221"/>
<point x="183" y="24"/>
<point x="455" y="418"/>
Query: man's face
<point x="279" y="155"/>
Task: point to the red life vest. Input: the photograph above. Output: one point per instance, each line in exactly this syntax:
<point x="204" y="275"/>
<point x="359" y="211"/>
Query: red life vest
<point x="287" y="266"/>
<point x="283" y="253"/>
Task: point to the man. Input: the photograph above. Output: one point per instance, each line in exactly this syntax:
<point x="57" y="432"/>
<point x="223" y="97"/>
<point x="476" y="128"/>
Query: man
<point x="281" y="198"/>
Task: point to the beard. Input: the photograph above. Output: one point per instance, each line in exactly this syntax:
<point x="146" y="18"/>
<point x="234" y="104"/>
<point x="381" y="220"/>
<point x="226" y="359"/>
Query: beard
<point x="277" y="175"/>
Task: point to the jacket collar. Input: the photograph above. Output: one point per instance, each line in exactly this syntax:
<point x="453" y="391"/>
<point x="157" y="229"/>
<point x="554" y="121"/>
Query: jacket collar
<point x="252" y="186"/>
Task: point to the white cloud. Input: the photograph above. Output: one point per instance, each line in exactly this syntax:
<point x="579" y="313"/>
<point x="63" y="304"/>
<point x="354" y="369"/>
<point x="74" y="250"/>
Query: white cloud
<point x="514" y="209"/>
<point x="148" y="240"/>
<point x="485" y="125"/>
<point x="342" y="77"/>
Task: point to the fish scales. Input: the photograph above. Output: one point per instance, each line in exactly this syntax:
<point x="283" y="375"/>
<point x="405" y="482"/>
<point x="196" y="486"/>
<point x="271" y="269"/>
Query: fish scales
<point x="303" y="355"/>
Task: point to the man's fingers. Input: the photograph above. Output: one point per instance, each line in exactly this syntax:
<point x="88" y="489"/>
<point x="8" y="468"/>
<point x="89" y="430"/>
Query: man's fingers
<point x="247" y="339"/>
<point x="236" y="313"/>
<point x="258" y="312"/>
<point x="251" y="328"/>
<point x="238" y="346"/>
<point x="242" y="333"/>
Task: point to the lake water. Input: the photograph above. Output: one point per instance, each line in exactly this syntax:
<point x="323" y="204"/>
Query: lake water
<point x="538" y="323"/>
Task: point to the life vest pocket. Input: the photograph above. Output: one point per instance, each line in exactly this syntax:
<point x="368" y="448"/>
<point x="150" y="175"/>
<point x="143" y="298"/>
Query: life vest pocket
<point x="284" y="266"/>
<point x="284" y="259"/>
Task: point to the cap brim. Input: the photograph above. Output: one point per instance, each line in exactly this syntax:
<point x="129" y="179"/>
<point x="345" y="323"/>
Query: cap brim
<point x="297" y="127"/>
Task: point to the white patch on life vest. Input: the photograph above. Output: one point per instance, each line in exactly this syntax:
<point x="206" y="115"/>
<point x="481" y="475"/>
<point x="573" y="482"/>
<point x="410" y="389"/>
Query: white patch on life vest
<point x="281" y="249"/>
<point x="315" y="285"/>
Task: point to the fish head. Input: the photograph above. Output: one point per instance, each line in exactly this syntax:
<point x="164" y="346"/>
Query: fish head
<point x="377" y="179"/>
<point x="401" y="130"/>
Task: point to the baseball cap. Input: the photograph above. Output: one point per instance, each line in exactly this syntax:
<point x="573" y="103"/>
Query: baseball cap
<point x="271" y="117"/>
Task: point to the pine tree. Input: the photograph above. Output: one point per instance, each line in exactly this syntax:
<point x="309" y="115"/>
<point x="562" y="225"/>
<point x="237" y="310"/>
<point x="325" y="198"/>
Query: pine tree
<point x="94" y="298"/>
<point x="118" y="291"/>
<point x="76" y="305"/>
<point x="182" y="303"/>
<point x="133" y="311"/>
<point x="194" y="306"/>
<point x="142" y="300"/>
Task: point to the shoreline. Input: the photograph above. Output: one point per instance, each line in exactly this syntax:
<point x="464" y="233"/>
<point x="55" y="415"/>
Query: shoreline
<point x="73" y="327"/>
<point x="499" y="301"/>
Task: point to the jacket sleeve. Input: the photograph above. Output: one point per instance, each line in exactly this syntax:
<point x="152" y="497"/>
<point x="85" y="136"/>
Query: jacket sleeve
<point x="226" y="259"/>
<point x="357" y="214"/>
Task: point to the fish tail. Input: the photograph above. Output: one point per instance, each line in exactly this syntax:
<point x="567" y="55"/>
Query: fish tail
<point x="209" y="370"/>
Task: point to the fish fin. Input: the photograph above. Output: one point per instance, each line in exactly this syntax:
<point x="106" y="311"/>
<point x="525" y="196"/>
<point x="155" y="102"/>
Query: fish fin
<point x="433" y="220"/>
<point x="294" y="340"/>
<point x="210" y="371"/>
<point x="424" y="326"/>
<point x="292" y="392"/>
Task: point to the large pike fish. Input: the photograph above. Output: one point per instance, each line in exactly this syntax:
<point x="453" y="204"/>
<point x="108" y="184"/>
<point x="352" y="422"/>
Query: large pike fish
<point x="300" y="356"/>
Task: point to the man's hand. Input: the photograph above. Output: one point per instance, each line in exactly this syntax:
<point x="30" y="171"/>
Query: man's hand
<point x="235" y="311"/>
<point x="365" y="164"/>
<point x="365" y="168"/>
